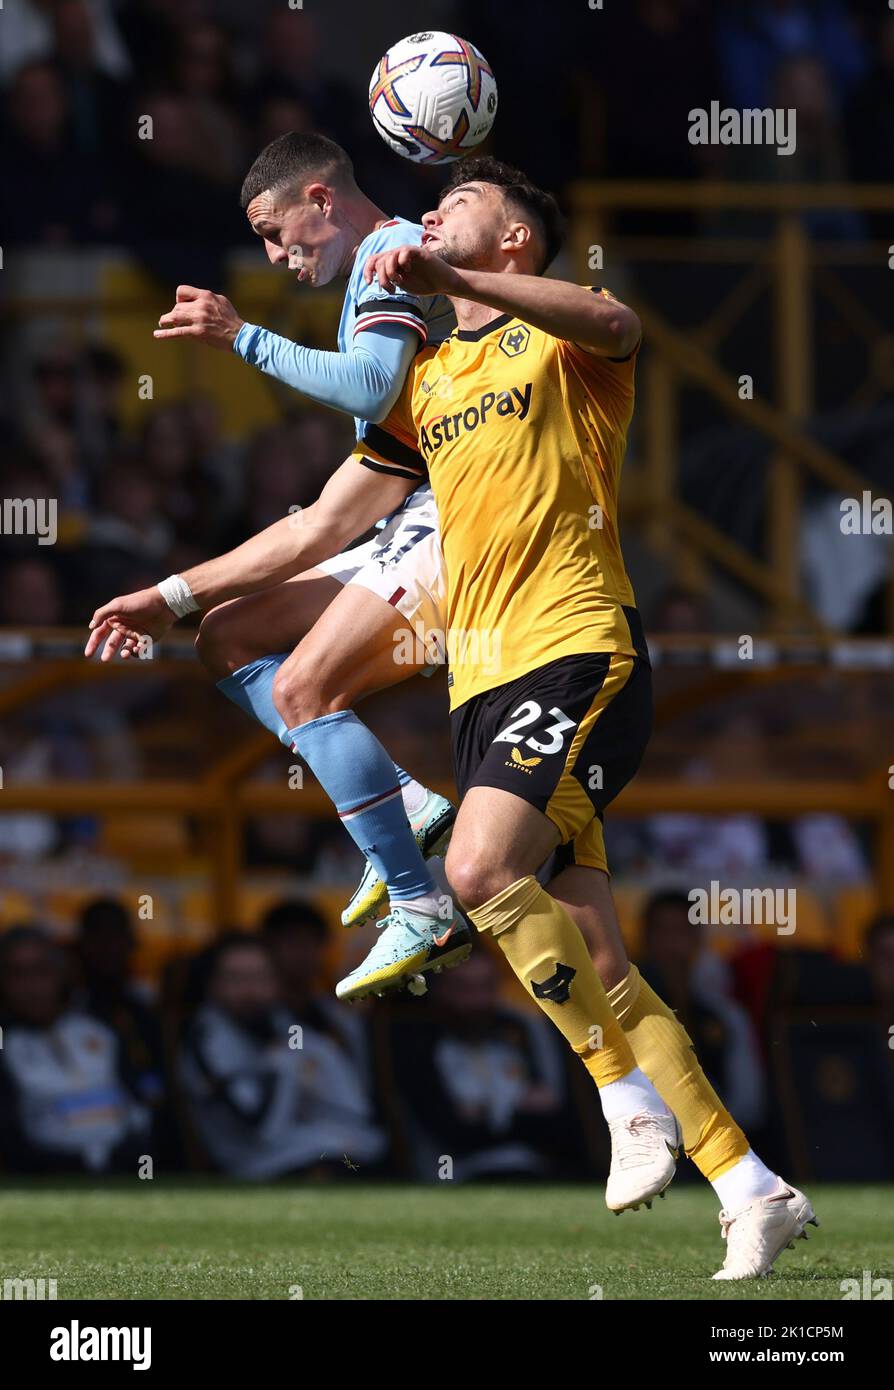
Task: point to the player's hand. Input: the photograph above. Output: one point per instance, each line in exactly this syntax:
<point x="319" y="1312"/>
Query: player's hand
<point x="414" y="269"/>
<point x="200" y="314"/>
<point x="118" y="626"/>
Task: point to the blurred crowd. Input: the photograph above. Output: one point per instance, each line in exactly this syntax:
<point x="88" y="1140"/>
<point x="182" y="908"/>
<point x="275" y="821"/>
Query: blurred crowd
<point x="244" y="1063"/>
<point x="833" y="60"/>
<point x="78" y="78"/>
<point x="207" y="1073"/>
<point x="220" y="80"/>
<point x="135" y="505"/>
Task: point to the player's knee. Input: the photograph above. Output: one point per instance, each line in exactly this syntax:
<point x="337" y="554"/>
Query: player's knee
<point x="218" y="645"/>
<point x="473" y="879"/>
<point x="302" y="691"/>
<point x="289" y="695"/>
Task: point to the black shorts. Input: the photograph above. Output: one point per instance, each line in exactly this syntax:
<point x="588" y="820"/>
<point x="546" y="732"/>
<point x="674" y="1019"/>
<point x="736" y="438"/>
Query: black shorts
<point x="565" y="738"/>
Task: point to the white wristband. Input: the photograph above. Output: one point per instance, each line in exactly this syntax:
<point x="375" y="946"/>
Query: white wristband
<point x="177" y="595"/>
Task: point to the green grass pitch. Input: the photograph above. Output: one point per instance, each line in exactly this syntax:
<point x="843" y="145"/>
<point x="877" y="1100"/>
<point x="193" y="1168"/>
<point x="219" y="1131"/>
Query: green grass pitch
<point x="197" y="1239"/>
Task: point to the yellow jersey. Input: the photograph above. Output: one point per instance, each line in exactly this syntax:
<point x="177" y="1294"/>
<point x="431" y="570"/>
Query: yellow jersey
<point x="523" y="437"/>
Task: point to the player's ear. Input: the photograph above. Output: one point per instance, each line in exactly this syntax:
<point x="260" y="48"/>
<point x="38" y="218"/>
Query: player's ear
<point x="516" y="238"/>
<point x="320" y="194"/>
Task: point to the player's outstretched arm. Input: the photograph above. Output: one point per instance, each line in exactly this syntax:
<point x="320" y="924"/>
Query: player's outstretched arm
<point x="353" y="499"/>
<point x="564" y="310"/>
<point x="573" y="312"/>
<point x="364" y="382"/>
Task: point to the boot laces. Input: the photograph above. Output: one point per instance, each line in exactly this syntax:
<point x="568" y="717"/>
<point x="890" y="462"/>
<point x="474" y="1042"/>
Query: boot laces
<point x="642" y="1131"/>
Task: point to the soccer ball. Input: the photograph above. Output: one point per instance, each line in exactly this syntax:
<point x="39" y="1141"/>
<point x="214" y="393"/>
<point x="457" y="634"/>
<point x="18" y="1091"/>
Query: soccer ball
<point x="433" y="97"/>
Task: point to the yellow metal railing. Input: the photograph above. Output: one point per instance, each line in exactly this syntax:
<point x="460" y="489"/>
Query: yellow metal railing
<point x="224" y="798"/>
<point x="792" y="266"/>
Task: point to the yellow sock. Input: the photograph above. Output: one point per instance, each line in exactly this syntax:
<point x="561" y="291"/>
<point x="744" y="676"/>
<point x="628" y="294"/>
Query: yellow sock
<point x="550" y="957"/>
<point x="663" y="1050"/>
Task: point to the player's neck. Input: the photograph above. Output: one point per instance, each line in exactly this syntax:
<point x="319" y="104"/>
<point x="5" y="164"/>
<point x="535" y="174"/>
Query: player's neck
<point x="471" y="315"/>
<point x="362" y="217"/>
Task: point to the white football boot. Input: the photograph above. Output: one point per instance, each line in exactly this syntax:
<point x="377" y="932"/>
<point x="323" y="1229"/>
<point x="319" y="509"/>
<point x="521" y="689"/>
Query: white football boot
<point x="645" y="1149"/>
<point x="757" y="1235"/>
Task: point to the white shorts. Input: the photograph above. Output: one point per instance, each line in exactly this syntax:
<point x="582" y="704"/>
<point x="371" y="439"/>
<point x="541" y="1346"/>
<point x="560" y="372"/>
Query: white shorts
<point x="404" y="565"/>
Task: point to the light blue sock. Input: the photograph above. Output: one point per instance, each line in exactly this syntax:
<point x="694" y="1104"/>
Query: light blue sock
<point x="354" y="770"/>
<point x="251" y="688"/>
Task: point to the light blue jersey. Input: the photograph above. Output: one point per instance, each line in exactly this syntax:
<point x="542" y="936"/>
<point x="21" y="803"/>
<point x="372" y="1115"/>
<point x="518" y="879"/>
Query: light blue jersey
<point x="366" y="375"/>
<point x="368" y="306"/>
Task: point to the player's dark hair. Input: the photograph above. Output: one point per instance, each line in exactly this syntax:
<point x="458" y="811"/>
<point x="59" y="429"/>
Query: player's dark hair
<point x="292" y="158"/>
<point x="518" y="189"/>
